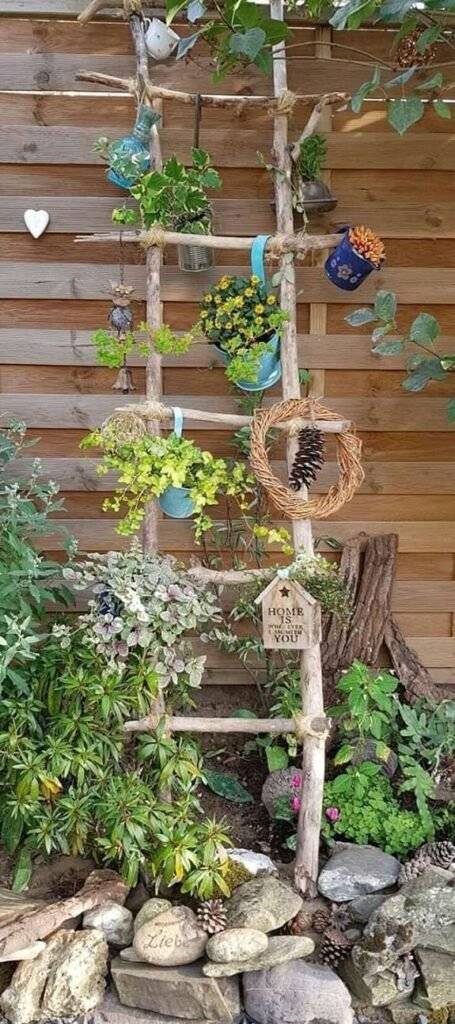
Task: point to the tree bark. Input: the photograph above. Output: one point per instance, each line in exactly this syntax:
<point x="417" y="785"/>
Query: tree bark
<point x="412" y="674"/>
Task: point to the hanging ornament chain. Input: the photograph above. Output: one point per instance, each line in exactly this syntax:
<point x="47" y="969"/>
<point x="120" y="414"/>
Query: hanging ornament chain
<point x="121" y="320"/>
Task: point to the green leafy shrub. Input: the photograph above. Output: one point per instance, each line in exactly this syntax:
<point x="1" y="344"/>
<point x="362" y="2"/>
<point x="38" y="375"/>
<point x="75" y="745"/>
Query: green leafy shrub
<point x="370" y="811"/>
<point x="148" y="466"/>
<point x="175" y="197"/>
<point x="311" y="158"/>
<point x="69" y="782"/>
<point x="112" y="350"/>
<point x="28" y="581"/>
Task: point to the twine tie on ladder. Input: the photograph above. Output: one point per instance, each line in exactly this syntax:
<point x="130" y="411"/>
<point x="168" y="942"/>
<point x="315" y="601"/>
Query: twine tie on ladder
<point x="293" y="506"/>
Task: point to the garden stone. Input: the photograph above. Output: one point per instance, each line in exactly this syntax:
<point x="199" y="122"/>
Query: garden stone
<point x="236" y="944"/>
<point x="76" y="980"/>
<point x="366" y="750"/>
<point x="112" y="1011"/>
<point x="442" y="940"/>
<point x="113" y="920"/>
<point x="149" y="910"/>
<point x="279" y="784"/>
<point x="361" y="909"/>
<point x="280" y="949"/>
<point x="438" y="973"/>
<point x="253" y="862"/>
<point x="171" y="938"/>
<point x="129" y="953"/>
<point x="297" y="993"/>
<point x="402" y="922"/>
<point x="181" y="992"/>
<point x="357" y="870"/>
<point x="376" y="989"/>
<point x="21" y="1001"/>
<point x="264" y="903"/>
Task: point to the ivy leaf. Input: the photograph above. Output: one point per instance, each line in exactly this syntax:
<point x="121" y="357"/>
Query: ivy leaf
<point x="389" y="348"/>
<point x="428" y="369"/>
<point x="428" y="37"/>
<point x="228" y="786"/>
<point x="23" y="870"/>
<point x="172" y="8"/>
<point x="435" y="82"/>
<point x="360" y="317"/>
<point x="364" y="91"/>
<point x="451" y="410"/>
<point x="402" y="78"/>
<point x="195" y="10"/>
<point x="385" y="305"/>
<point x="425" y="328"/>
<point x="249" y="42"/>
<point x="277" y="757"/>
<point x="186" y="44"/>
<point x="404" y="112"/>
<point x="442" y="109"/>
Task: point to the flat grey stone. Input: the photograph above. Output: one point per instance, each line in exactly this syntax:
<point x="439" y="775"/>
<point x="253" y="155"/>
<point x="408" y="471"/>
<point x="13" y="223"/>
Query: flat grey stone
<point x="297" y="993"/>
<point x="438" y="974"/>
<point x="279" y="784"/>
<point x="404" y="920"/>
<point x="280" y="949"/>
<point x="375" y="989"/>
<point x="252" y="861"/>
<point x="264" y="903"/>
<point x="441" y="939"/>
<point x="357" y="871"/>
<point x="112" y="1011"/>
<point x="236" y="944"/>
<point x="182" y="992"/>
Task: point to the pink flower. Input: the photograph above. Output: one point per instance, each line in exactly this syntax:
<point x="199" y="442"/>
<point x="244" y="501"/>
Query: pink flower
<point x="332" y="813"/>
<point x="295" y="804"/>
<point x="295" y="781"/>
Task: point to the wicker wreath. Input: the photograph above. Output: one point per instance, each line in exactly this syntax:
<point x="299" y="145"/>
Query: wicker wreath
<point x="349" y="449"/>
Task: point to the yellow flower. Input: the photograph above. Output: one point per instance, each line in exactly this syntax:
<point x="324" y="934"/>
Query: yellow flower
<point x="271" y="300"/>
<point x="204" y="313"/>
<point x="259" y="321"/>
<point x="255" y="279"/>
<point x="259" y="308"/>
<point x="224" y="282"/>
<point x="218" y="300"/>
<point x="239" y="301"/>
<point x="249" y="292"/>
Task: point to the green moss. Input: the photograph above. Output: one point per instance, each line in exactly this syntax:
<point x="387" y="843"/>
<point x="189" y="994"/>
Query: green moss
<point x="236" y="874"/>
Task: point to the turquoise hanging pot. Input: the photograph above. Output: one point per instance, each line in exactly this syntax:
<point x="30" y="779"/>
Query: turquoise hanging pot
<point x="269" y="371"/>
<point x="175" y="502"/>
<point x="129" y="158"/>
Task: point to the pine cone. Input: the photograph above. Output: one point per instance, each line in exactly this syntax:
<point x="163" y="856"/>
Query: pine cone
<point x="322" y="919"/>
<point x="335" y="947"/>
<point x="408" y="56"/>
<point x="301" y="923"/>
<point x="309" y="458"/>
<point x="212" y="916"/>
<point x="440" y="854"/>
<point x="340" y="917"/>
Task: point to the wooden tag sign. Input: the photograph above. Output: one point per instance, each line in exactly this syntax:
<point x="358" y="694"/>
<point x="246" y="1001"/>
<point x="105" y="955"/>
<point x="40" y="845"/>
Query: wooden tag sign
<point x="291" y="618"/>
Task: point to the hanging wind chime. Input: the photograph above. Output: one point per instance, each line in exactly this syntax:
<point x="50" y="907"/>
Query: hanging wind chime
<point x="120" y="318"/>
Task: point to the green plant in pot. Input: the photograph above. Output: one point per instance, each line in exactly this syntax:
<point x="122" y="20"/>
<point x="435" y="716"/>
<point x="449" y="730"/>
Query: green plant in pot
<point x="311" y="195"/>
<point x="173" y="469"/>
<point x="244" y="322"/>
<point x="176" y="199"/>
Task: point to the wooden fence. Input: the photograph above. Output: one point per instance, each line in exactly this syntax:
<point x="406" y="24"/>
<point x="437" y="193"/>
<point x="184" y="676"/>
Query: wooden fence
<point x="53" y="293"/>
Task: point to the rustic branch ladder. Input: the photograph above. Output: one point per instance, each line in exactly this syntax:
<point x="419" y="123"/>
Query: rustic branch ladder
<point x="311" y="726"/>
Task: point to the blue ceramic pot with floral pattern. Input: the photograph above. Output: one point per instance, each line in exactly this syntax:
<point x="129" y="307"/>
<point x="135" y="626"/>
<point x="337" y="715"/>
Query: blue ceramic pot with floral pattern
<point x="345" y="268"/>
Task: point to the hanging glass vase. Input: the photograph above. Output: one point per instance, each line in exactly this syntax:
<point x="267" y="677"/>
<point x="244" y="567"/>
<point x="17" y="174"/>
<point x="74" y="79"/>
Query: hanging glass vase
<point x="129" y="157"/>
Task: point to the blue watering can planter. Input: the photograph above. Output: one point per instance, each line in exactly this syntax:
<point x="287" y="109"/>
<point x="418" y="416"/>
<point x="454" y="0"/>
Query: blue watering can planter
<point x="345" y="268"/>
<point x="175" y="502"/>
<point x="269" y="371"/>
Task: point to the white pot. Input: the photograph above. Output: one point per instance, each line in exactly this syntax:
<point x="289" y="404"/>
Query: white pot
<point x="160" y="40"/>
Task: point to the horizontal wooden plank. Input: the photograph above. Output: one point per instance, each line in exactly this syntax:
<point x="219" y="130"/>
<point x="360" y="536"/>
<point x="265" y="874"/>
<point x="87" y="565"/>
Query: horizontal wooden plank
<point x="100" y="535"/>
<point x="74" y="348"/>
<point x="34" y="144"/>
<point x="92" y="214"/>
<point x="401" y="414"/>
<point x="234" y="216"/>
<point x="437" y="652"/>
<point x="400" y="478"/>
<point x="424" y="624"/>
<point x="34" y="280"/>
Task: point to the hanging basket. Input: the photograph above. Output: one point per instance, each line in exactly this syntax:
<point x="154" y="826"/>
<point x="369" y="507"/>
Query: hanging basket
<point x="175" y="502"/>
<point x="345" y="268"/>
<point x="349" y="449"/>
<point x="269" y="371"/>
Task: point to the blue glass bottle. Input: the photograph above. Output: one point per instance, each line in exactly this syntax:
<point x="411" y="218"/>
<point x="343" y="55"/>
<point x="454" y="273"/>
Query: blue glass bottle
<point x="129" y="158"/>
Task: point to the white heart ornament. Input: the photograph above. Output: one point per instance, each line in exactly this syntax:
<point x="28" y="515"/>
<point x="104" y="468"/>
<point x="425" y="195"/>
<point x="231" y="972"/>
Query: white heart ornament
<point x="36" y="221"/>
